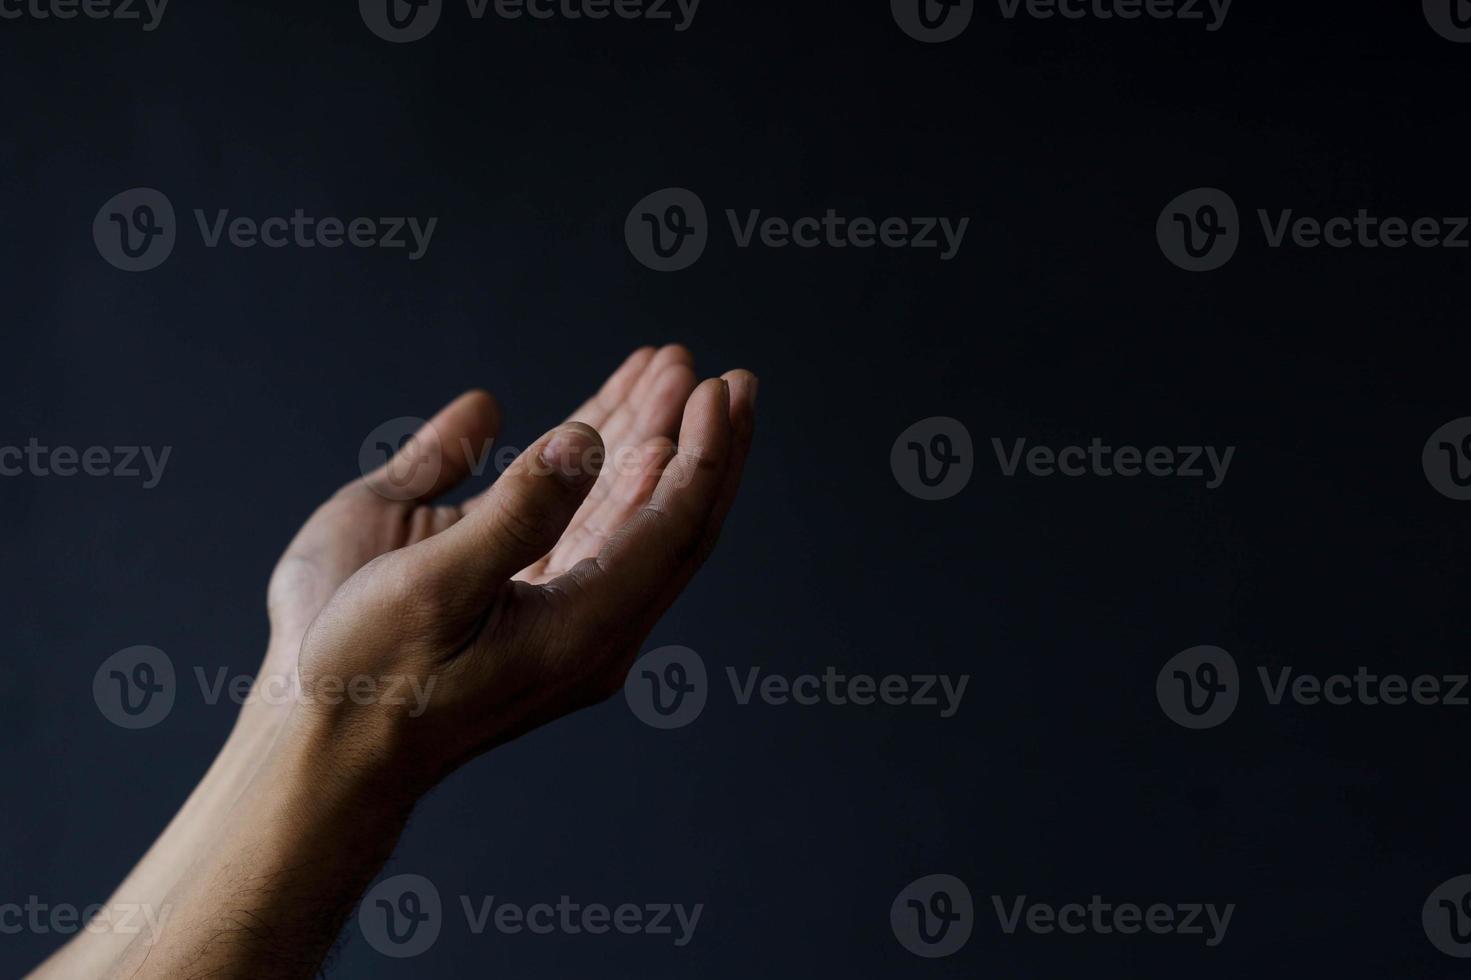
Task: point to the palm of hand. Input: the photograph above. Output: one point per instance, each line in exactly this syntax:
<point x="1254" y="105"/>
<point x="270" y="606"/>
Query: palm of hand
<point x="637" y="412"/>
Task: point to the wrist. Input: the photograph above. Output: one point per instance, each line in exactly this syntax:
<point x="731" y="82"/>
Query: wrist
<point x="348" y="759"/>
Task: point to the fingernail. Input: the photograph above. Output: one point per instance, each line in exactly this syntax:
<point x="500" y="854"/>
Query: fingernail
<point x="725" y="393"/>
<point x="573" y="455"/>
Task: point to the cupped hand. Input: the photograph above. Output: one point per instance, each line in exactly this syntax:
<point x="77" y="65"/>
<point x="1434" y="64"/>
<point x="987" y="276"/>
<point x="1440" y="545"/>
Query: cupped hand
<point x="639" y="403"/>
<point x="531" y="599"/>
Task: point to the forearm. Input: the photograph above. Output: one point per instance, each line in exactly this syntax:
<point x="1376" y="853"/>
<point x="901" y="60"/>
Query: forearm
<point x="290" y="859"/>
<point x="139" y="900"/>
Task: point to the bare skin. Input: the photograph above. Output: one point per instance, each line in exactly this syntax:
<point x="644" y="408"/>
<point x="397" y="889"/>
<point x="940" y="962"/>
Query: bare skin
<point x="525" y="603"/>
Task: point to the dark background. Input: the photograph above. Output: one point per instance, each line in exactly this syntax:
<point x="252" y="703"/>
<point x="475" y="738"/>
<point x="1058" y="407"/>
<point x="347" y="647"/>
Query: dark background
<point x="1060" y="320"/>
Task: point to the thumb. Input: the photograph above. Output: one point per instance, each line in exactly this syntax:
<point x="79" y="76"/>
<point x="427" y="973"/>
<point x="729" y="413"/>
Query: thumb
<point x="523" y="514"/>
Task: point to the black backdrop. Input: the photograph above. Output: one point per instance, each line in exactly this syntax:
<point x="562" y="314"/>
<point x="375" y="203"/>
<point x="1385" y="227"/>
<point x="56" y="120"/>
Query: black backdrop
<point x="1060" y="320"/>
